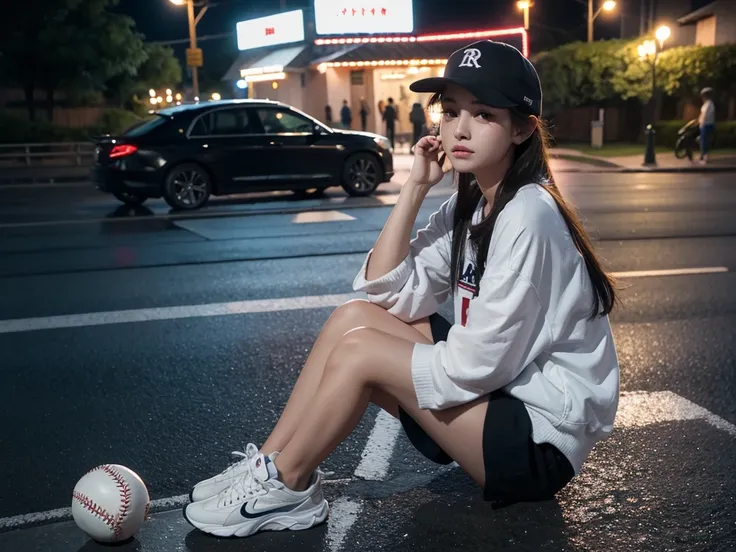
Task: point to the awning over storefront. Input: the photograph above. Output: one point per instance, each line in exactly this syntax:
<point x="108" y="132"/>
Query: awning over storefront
<point x="379" y="52"/>
<point x="283" y="58"/>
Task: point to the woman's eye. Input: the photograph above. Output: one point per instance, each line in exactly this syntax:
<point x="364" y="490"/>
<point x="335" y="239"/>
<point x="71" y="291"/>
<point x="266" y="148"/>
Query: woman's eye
<point x="485" y="116"/>
<point x="448" y="113"/>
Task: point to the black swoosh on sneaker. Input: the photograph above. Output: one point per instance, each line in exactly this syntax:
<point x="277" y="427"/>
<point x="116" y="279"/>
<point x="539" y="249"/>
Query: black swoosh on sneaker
<point x="248" y="515"/>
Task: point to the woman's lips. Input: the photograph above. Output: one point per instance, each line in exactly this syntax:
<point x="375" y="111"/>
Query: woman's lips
<point x="461" y="152"/>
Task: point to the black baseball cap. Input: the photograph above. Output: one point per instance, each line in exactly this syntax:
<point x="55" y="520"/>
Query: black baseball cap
<point x="494" y="72"/>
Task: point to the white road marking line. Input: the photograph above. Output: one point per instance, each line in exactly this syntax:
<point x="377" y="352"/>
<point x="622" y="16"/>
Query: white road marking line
<point x="64" y="514"/>
<point x="641" y="408"/>
<point x="343" y="514"/>
<point x="308" y="217"/>
<point x="244" y="307"/>
<point x="671" y="272"/>
<point x="636" y="409"/>
<point x="378" y="450"/>
<point x="170" y="313"/>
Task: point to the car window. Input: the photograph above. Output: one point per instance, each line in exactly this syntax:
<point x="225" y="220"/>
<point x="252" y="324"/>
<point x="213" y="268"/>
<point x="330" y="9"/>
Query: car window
<point x="281" y="121"/>
<point x="144" y="127"/>
<point x="222" y="122"/>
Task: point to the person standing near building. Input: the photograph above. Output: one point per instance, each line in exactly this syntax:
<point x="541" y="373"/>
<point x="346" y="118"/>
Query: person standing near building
<point x="707" y="122"/>
<point x="364" y="111"/>
<point x="328" y="115"/>
<point x="346" y="116"/>
<point x="389" y="116"/>
<point x="418" y="121"/>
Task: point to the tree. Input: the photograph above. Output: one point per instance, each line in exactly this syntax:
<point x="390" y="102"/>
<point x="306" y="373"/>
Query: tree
<point x="579" y="74"/>
<point x="57" y="45"/>
<point x="602" y="72"/>
<point x="161" y="69"/>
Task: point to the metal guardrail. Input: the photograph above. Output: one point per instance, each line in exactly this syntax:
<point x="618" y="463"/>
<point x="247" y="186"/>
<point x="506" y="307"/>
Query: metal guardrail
<point x="58" y="154"/>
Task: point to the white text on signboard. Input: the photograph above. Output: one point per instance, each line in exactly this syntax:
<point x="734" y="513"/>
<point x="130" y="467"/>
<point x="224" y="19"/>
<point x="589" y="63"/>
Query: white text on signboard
<point x="276" y="29"/>
<point x="335" y="17"/>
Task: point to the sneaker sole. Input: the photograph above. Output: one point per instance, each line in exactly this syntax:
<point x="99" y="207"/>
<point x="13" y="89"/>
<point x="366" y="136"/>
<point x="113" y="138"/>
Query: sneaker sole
<point x="304" y="520"/>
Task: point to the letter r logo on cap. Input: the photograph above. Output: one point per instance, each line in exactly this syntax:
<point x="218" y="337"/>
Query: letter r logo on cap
<point x="470" y="59"/>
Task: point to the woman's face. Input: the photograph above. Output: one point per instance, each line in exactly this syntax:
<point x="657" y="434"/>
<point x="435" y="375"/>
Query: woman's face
<point x="476" y="137"/>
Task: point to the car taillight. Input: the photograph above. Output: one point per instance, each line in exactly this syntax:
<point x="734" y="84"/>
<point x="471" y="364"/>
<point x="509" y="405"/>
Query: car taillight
<point x="122" y="150"/>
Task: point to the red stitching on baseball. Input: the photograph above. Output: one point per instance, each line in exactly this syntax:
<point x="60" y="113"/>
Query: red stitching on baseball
<point x="95" y="508"/>
<point x="115" y="522"/>
<point x="124" y="491"/>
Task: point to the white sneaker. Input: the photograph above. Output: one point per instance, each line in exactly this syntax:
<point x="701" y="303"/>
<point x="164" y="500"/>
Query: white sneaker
<point x="214" y="485"/>
<point x="258" y="502"/>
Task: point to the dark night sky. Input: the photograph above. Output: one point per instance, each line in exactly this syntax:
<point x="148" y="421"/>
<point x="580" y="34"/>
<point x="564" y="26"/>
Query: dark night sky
<point x="563" y="20"/>
<point x="553" y="22"/>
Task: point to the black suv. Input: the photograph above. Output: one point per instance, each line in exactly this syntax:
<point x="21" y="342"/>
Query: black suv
<point x="186" y="153"/>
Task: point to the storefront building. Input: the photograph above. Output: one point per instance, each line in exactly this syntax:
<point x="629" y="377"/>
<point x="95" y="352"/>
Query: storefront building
<point x="358" y="51"/>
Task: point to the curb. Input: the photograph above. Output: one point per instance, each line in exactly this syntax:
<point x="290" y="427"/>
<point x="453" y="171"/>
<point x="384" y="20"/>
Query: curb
<point x="662" y="170"/>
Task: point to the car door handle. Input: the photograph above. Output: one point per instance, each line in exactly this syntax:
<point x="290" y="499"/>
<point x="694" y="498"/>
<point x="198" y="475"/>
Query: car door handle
<point x="275" y="143"/>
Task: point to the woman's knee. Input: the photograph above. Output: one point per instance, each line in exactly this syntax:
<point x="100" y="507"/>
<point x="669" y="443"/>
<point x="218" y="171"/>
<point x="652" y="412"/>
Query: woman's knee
<point x="349" y="353"/>
<point x="353" y="314"/>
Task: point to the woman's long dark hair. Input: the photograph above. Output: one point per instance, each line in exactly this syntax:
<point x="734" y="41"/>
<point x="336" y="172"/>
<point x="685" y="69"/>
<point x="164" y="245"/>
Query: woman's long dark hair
<point x="530" y="164"/>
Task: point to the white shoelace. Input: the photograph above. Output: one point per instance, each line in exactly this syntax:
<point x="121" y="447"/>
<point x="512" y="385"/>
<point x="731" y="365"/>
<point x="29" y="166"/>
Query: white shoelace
<point x="250" y="451"/>
<point x="246" y="486"/>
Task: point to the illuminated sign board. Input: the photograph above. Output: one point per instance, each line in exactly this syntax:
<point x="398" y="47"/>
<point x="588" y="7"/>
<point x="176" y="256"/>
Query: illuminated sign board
<point x="336" y="17"/>
<point x="276" y="29"/>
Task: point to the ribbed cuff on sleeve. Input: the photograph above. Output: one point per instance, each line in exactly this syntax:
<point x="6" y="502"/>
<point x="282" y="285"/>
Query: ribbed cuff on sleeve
<point x="392" y="281"/>
<point x="421" y="374"/>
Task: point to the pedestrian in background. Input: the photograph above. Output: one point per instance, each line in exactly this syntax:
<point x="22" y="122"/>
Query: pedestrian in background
<point x="346" y="115"/>
<point x="328" y="115"/>
<point x="419" y="123"/>
<point x="364" y="111"/>
<point x="390" y="114"/>
<point x="707" y="122"/>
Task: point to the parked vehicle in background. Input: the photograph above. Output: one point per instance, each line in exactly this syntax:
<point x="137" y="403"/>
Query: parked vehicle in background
<point x="187" y="153"/>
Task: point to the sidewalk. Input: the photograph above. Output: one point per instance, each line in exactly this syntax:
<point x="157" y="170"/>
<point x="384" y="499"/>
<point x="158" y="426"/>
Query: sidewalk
<point x="666" y="162"/>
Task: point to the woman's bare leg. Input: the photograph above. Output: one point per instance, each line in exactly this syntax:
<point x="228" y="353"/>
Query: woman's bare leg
<point x="364" y="361"/>
<point x="351" y="315"/>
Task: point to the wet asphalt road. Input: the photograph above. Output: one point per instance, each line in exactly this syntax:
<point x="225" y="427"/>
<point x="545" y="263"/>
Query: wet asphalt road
<point x="171" y="397"/>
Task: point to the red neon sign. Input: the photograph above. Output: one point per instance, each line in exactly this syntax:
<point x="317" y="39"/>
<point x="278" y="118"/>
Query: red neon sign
<point x="432" y="38"/>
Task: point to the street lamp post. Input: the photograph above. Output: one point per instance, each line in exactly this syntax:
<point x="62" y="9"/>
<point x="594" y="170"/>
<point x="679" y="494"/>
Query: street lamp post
<point x="194" y="54"/>
<point x="608" y="6"/>
<point x="649" y="50"/>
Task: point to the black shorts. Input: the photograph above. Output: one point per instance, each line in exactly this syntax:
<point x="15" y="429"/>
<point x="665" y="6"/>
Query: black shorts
<point x="517" y="468"/>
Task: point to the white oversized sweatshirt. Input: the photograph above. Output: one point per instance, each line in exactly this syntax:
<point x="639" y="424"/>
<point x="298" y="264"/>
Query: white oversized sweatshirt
<point x="528" y="331"/>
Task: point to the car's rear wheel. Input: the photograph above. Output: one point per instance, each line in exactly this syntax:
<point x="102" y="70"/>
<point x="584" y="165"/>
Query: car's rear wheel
<point x="361" y="174"/>
<point x="130" y="198"/>
<point x="187" y="186"/>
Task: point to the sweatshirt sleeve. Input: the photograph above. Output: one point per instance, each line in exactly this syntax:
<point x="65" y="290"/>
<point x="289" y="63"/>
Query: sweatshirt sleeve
<point x="421" y="282"/>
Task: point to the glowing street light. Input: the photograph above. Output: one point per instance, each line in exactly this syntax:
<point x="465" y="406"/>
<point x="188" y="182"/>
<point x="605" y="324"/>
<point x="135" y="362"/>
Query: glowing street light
<point x="216" y="96"/>
<point x="608" y="6"/>
<point x="524" y="6"/>
<point x="662" y="34"/>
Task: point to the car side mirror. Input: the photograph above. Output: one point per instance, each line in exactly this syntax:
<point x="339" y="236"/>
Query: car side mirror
<point x="316" y="129"/>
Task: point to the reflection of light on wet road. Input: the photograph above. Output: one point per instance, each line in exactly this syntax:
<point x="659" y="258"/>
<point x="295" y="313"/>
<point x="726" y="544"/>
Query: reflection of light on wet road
<point x="640" y="409"/>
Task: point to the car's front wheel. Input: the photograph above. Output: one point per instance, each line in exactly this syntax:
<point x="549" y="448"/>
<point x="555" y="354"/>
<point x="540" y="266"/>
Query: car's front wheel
<point x="130" y="198"/>
<point x="187" y="186"/>
<point x="361" y="174"/>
